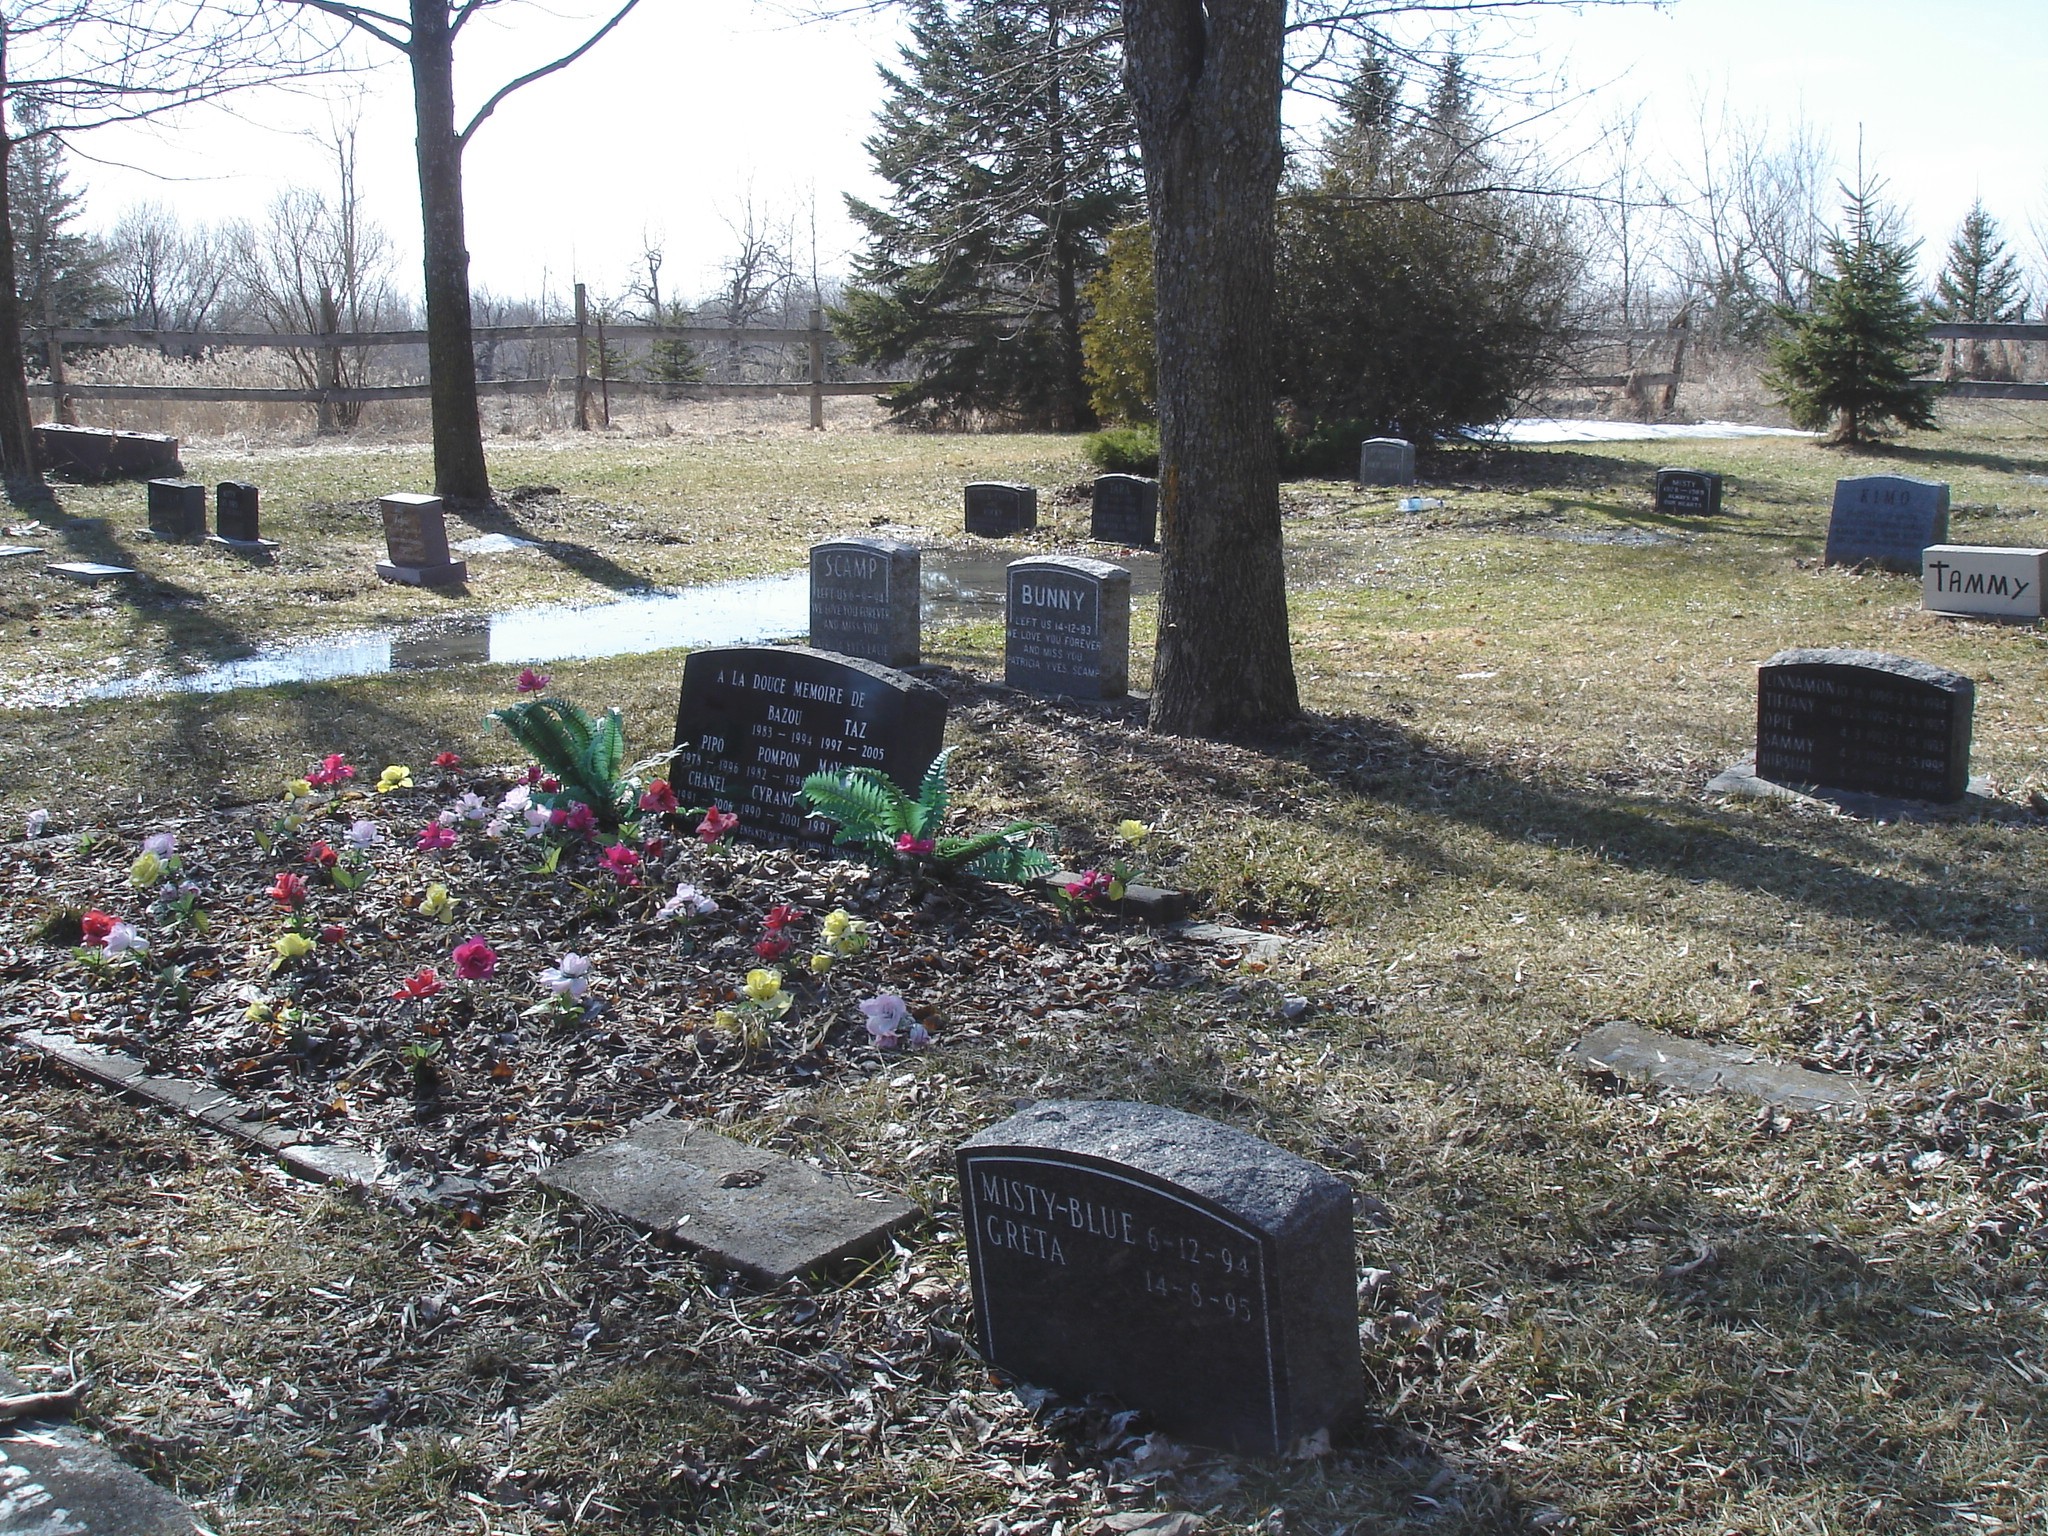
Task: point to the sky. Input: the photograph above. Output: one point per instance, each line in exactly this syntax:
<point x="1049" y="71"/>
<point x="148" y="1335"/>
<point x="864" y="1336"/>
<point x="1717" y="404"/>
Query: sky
<point x="690" y="113"/>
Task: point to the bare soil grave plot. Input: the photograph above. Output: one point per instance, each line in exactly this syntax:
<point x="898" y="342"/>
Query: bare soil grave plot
<point x="1585" y="1306"/>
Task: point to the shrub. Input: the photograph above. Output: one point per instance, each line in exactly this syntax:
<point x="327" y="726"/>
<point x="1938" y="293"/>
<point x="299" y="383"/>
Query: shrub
<point x="1124" y="450"/>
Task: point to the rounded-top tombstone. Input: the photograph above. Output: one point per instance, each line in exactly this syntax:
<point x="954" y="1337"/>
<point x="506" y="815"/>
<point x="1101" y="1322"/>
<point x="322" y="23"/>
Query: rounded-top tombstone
<point x="1386" y="461"/>
<point x="998" y="508"/>
<point x="1124" y="509"/>
<point x="1864" y="721"/>
<point x="1192" y="1271"/>
<point x="1689" y="492"/>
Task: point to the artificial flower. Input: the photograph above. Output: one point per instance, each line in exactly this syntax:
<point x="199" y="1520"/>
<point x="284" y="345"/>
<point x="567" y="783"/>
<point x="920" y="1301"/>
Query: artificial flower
<point x="35" y="824"/>
<point x="531" y="681"/>
<point x="434" y="838"/>
<point x="122" y="937"/>
<point x="623" y="863"/>
<point x="774" y="946"/>
<point x="333" y="933"/>
<point x="579" y="819"/>
<point x="716" y="824"/>
<point x="1133" y="832"/>
<point x="686" y="899"/>
<point x="782" y="915"/>
<point x="1092" y="884"/>
<point x="905" y="843"/>
<point x="422" y="983"/>
<point x="397" y="776"/>
<point x="470" y="807"/>
<point x="885" y="1018"/>
<point x="725" y="1018"/>
<point x="447" y="760"/>
<point x="163" y="844"/>
<point x="288" y="889"/>
<point x="363" y="835"/>
<point x="820" y="964"/>
<point x="658" y="797"/>
<point x="323" y="855"/>
<point x="569" y="978"/>
<point x="298" y="789"/>
<point x="96" y="925"/>
<point x="333" y="770"/>
<point x="437" y="903"/>
<point x="146" y="871"/>
<point x="763" y="985"/>
<point x="654" y="847"/>
<point x="516" y="798"/>
<point x="292" y="946"/>
<point x="474" y="959"/>
<point x="845" y="933"/>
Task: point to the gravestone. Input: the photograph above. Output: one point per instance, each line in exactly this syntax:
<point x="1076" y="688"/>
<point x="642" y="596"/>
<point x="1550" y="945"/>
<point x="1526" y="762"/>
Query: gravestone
<point x="1983" y="580"/>
<point x="1864" y="721"/>
<point x="1067" y="627"/>
<point x="996" y="508"/>
<point x="234" y="511"/>
<point x="1886" y="520"/>
<point x="56" y="1480"/>
<point x="755" y="721"/>
<point x="1125" y="511"/>
<point x="416" y="543"/>
<point x="1689" y="492"/>
<point x="95" y="453"/>
<point x="1187" y="1269"/>
<point x="89" y="572"/>
<point x="177" y="509"/>
<point x="866" y="600"/>
<point x="1386" y="461"/>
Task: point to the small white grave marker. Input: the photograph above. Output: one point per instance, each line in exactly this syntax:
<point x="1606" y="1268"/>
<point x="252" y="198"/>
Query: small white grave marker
<point x="1983" y="579"/>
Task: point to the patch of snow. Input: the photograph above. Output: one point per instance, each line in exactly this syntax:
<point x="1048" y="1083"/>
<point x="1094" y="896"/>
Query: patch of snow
<point x="1558" y="429"/>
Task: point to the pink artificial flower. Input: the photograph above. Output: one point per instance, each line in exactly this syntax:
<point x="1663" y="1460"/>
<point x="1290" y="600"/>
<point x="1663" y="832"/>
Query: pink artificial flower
<point x="424" y="983"/>
<point x="532" y="774"/>
<point x="579" y="819"/>
<point x="550" y="783"/>
<point x="434" y="838"/>
<point x="659" y="797"/>
<point x="905" y="843"/>
<point x="1092" y="885"/>
<point x="716" y="824"/>
<point x="288" y="890"/>
<point x="447" y="760"/>
<point x="474" y="959"/>
<point x="333" y="933"/>
<point x="623" y="863"/>
<point x="333" y="770"/>
<point x="96" y="925"/>
<point x="654" y="847"/>
<point x="886" y="1016"/>
<point x="531" y="681"/>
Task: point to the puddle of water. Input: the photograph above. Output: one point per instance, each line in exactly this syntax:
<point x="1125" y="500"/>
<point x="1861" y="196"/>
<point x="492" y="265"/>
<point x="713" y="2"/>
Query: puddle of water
<point x="959" y="586"/>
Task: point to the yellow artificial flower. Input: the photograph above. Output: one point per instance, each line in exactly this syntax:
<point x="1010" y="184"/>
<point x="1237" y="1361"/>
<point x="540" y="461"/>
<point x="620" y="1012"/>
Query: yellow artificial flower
<point x="725" y="1018"/>
<point x="837" y="921"/>
<point x="145" y="871"/>
<point x="437" y="903"/>
<point x="1133" y="832"/>
<point x="820" y="964"/>
<point x="292" y="946"/>
<point x="763" y="985"/>
<point x="257" y="1012"/>
<point x="298" y="789"/>
<point x="394" y="777"/>
<point x="845" y="934"/>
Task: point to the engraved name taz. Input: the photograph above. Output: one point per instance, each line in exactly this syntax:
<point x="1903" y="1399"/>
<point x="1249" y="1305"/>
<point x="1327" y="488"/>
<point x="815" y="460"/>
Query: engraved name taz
<point x="1180" y="1256"/>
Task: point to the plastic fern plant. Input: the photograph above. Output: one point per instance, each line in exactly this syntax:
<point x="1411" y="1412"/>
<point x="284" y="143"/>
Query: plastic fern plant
<point x="586" y="757"/>
<point x="876" y="817"/>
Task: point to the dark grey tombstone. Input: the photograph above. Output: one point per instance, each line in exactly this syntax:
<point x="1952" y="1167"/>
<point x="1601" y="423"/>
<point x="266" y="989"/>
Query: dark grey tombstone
<point x="1864" y="721"/>
<point x="1386" y="461"/>
<point x="996" y="508"/>
<point x="1067" y="627"/>
<point x="416" y="542"/>
<point x="234" y="512"/>
<point x="1125" y="511"/>
<point x="866" y="597"/>
<point x="1689" y="492"/>
<point x="755" y="721"/>
<point x="95" y="453"/>
<point x="1886" y="520"/>
<point x="177" y="509"/>
<point x="1187" y="1269"/>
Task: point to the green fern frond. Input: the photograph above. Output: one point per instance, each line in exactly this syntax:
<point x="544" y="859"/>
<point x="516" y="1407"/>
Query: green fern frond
<point x="929" y="809"/>
<point x="1014" y="863"/>
<point x="867" y="805"/>
<point x="554" y="732"/>
<point x="999" y="855"/>
<point x="606" y="753"/>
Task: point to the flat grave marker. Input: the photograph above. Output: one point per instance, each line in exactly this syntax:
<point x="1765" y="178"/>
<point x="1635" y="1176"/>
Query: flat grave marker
<point x="1886" y="520"/>
<point x="1983" y="580"/>
<point x="1866" y="722"/>
<point x="177" y="509"/>
<point x="1067" y="627"/>
<point x="755" y="721"/>
<point x="416" y="542"/>
<point x="89" y="572"/>
<point x="55" y="1480"/>
<point x="1689" y="492"/>
<point x="1187" y="1269"/>
<point x="19" y="551"/>
<point x="1386" y="461"/>
<point x="998" y="508"/>
<point x="867" y="600"/>
<point x="1125" y="510"/>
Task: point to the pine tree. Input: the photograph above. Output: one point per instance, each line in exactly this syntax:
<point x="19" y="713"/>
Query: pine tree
<point x="60" y="273"/>
<point x="1980" y="282"/>
<point x="1008" y="143"/>
<point x="1848" y="362"/>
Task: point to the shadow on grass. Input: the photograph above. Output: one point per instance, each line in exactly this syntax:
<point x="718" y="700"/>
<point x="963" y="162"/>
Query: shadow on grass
<point x="585" y="561"/>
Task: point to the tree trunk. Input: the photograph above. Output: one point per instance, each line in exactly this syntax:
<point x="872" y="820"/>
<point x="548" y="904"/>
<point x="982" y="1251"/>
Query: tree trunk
<point x="1205" y="88"/>
<point x="17" y="438"/>
<point x="460" y="476"/>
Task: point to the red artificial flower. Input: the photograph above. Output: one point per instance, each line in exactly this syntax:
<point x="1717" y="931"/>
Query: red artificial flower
<point x="333" y="770"/>
<point x="447" y="760"/>
<point x="333" y="933"/>
<point x="659" y="797"/>
<point x="654" y="847"/>
<point x="550" y="783"/>
<point x="474" y="959"/>
<point x="532" y="774"/>
<point x="531" y="681"/>
<point x="578" y="818"/>
<point x="905" y="843"/>
<point x="775" y="946"/>
<point x="422" y="984"/>
<point x="782" y="916"/>
<point x="96" y="925"/>
<point x="322" y="855"/>
<point x="288" y="889"/>
<point x="434" y="837"/>
<point x="716" y="824"/>
<point x="1092" y="884"/>
<point x="623" y="863"/>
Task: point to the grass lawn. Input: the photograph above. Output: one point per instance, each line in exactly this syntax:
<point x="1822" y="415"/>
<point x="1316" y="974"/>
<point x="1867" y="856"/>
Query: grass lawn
<point x="1590" y="1308"/>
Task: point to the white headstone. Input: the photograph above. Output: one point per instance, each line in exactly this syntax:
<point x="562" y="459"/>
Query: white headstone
<point x="1983" y="579"/>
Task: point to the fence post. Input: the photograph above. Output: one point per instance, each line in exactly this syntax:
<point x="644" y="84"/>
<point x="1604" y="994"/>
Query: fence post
<point x="582" y="362"/>
<point x="817" y="340"/>
<point x="64" y="411"/>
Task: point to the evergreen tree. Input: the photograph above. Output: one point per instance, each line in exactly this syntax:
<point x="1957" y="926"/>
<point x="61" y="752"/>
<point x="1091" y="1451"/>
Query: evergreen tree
<point x="1980" y="282"/>
<point x="60" y="274"/>
<point x="1116" y="338"/>
<point x="1847" y="363"/>
<point x="1009" y="145"/>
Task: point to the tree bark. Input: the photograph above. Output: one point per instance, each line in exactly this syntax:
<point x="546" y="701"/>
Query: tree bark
<point x="460" y="475"/>
<point x="17" y="436"/>
<point x="1204" y="82"/>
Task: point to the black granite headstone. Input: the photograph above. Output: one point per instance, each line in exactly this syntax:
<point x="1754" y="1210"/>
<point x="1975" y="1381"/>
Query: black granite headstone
<point x="96" y="453"/>
<point x="867" y="600"/>
<point x="234" y="511"/>
<point x="755" y="721"/>
<point x="1125" y="511"/>
<point x="996" y="508"/>
<point x="1886" y="520"/>
<point x="177" y="509"/>
<point x="1865" y="721"/>
<point x="1067" y="627"/>
<point x="1689" y="492"/>
<point x="1192" y="1271"/>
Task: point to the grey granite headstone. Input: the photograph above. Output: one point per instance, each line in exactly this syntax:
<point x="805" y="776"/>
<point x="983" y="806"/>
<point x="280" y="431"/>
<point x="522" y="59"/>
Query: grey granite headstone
<point x="1886" y="520"/>
<point x="768" y="1216"/>
<point x="997" y="508"/>
<point x="1983" y="580"/>
<point x="755" y="721"/>
<point x="55" y="1481"/>
<point x="416" y="542"/>
<point x="866" y="597"/>
<point x="1125" y="510"/>
<point x="1067" y="627"/>
<point x="177" y="509"/>
<point x="1865" y="721"/>
<point x="1689" y="492"/>
<point x="1648" y="1056"/>
<point x="1386" y="461"/>
<point x="1187" y="1269"/>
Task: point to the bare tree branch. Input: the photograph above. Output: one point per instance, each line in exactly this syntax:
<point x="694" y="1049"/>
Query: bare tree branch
<point x="545" y="70"/>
